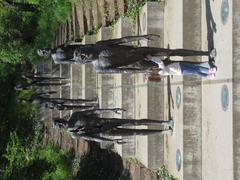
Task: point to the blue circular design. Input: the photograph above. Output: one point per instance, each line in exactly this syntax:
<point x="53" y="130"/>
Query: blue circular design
<point x="224" y="11"/>
<point x="178" y="97"/>
<point x="144" y="22"/>
<point x="225" y="97"/>
<point x="178" y="160"/>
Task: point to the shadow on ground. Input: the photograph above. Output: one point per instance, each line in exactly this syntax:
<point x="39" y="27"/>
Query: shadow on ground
<point x="102" y="164"/>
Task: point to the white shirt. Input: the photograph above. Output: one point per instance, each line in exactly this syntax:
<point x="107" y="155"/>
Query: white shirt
<point x="171" y="69"/>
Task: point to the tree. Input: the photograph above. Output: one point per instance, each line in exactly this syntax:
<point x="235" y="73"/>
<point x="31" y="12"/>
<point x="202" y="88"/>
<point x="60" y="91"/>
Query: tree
<point x="20" y="6"/>
<point x="17" y="34"/>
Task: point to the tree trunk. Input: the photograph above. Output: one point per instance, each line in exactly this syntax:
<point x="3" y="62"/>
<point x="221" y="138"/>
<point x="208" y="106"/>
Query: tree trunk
<point x="20" y="6"/>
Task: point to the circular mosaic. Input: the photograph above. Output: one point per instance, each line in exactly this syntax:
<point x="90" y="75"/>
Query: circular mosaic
<point x="224" y="11"/>
<point x="178" y="160"/>
<point x="225" y="97"/>
<point x="144" y="22"/>
<point x="178" y="97"/>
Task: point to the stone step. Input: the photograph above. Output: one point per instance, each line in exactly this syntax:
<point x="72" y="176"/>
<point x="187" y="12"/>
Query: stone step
<point x="192" y="112"/>
<point x="105" y="82"/>
<point x="65" y="90"/>
<point x="64" y="34"/>
<point x="80" y="27"/>
<point x="88" y="73"/>
<point x="110" y="10"/>
<point x="47" y="68"/>
<point x="95" y="15"/>
<point x="88" y="18"/>
<point x="73" y="23"/>
<point x="150" y="95"/>
<point x="56" y="73"/>
<point x="120" y="7"/>
<point x="55" y="70"/>
<point x="76" y="81"/>
<point x="124" y="89"/>
<point x="101" y="13"/>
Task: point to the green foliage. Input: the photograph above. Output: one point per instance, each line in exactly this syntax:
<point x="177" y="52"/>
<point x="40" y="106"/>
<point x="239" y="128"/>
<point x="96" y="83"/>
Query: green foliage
<point x="44" y="163"/>
<point x="16" y="156"/>
<point x="21" y="32"/>
<point x="93" y="31"/>
<point x="61" y="160"/>
<point x="14" y="116"/>
<point x="133" y="160"/>
<point x="163" y="174"/>
<point x="52" y="14"/>
<point x="17" y="34"/>
<point x="134" y="8"/>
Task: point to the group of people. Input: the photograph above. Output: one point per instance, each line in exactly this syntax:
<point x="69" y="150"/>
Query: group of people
<point x="111" y="56"/>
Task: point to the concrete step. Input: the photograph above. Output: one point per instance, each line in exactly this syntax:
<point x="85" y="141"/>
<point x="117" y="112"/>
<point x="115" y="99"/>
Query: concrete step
<point x="80" y="27"/>
<point x="55" y="72"/>
<point x="101" y="13"/>
<point x="105" y="82"/>
<point x="120" y="7"/>
<point x="76" y="81"/>
<point x="150" y="96"/>
<point x="95" y="15"/>
<point x="65" y="91"/>
<point x="73" y="23"/>
<point x="88" y="73"/>
<point x="110" y="10"/>
<point x="47" y="68"/>
<point x="88" y="18"/>
<point x="124" y="89"/>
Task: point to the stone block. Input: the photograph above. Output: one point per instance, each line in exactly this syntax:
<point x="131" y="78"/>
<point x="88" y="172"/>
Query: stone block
<point x="101" y="13"/>
<point x="105" y="82"/>
<point x="151" y="104"/>
<point x="79" y="20"/>
<point x="88" y="73"/>
<point x="124" y="89"/>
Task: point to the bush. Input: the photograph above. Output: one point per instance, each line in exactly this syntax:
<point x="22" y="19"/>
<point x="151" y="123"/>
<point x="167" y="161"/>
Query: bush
<point x="61" y="162"/>
<point x="48" y="162"/>
<point x="21" y="32"/>
<point x="52" y="14"/>
<point x="13" y="115"/>
<point x="17" y="33"/>
<point x="163" y="174"/>
<point x="16" y="156"/>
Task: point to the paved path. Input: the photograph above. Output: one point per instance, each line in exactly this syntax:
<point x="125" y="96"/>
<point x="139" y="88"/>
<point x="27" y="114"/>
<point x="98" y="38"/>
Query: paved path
<point x="205" y="133"/>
